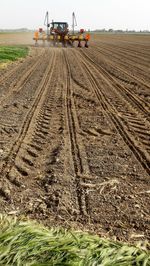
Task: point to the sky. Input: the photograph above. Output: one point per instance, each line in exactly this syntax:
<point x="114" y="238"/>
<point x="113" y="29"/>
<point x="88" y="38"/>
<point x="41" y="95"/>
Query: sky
<point x="90" y="14"/>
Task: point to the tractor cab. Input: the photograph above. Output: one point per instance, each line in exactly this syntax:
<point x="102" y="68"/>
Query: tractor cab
<point x="59" y="28"/>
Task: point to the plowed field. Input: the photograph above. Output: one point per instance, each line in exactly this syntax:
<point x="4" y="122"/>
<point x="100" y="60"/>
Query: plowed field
<point x="75" y="137"/>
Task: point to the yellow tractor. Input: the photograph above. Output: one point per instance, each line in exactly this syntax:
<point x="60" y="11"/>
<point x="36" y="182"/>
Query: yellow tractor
<point x="58" y="33"/>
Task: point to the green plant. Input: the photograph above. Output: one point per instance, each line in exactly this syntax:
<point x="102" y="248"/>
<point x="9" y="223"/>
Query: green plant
<point x="26" y="243"/>
<point x="12" y="53"/>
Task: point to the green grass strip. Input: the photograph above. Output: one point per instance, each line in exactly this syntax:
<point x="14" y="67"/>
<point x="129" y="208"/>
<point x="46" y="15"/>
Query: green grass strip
<point x="12" y="53"/>
<point x="26" y="243"/>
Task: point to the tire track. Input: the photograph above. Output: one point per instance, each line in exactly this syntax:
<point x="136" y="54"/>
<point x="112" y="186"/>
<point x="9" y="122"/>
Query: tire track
<point x="16" y="87"/>
<point x="42" y="88"/>
<point x="131" y="78"/>
<point x="134" y="56"/>
<point x="131" y="126"/>
<point x="38" y="130"/>
<point x="136" y="102"/>
<point x="72" y="129"/>
<point x="11" y="73"/>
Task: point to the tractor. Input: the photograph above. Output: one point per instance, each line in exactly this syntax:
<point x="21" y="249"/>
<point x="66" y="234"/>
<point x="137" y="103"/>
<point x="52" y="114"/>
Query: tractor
<point x="58" y="33"/>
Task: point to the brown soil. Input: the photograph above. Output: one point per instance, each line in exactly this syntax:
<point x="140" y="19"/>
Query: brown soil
<point x="75" y="137"/>
<point x="25" y="38"/>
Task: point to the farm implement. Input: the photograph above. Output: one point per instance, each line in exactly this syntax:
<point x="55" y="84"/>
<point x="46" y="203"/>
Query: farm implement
<point x="58" y="33"/>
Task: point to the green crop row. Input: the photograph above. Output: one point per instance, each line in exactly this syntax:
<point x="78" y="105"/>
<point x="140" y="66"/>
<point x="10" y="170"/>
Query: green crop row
<point x="25" y="243"/>
<point x="12" y="53"/>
